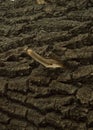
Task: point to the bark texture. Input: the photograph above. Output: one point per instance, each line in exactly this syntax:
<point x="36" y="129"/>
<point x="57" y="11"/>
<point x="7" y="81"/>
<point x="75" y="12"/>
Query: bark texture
<point x="33" y="97"/>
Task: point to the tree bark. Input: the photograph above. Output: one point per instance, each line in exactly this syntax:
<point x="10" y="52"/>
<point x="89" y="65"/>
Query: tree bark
<point x="33" y="97"/>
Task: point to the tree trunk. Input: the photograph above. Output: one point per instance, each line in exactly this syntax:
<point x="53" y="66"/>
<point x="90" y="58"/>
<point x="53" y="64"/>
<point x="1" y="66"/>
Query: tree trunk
<point x="33" y="97"/>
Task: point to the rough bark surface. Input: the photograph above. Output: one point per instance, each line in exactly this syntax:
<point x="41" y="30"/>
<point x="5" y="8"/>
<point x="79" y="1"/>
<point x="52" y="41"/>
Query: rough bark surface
<point x="33" y="97"/>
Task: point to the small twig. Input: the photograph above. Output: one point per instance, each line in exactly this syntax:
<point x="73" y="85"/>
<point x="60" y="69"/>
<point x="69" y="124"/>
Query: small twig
<point x="49" y="63"/>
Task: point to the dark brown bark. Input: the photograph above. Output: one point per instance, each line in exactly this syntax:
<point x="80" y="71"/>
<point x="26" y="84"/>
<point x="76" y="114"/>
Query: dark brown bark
<point x="33" y="97"/>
